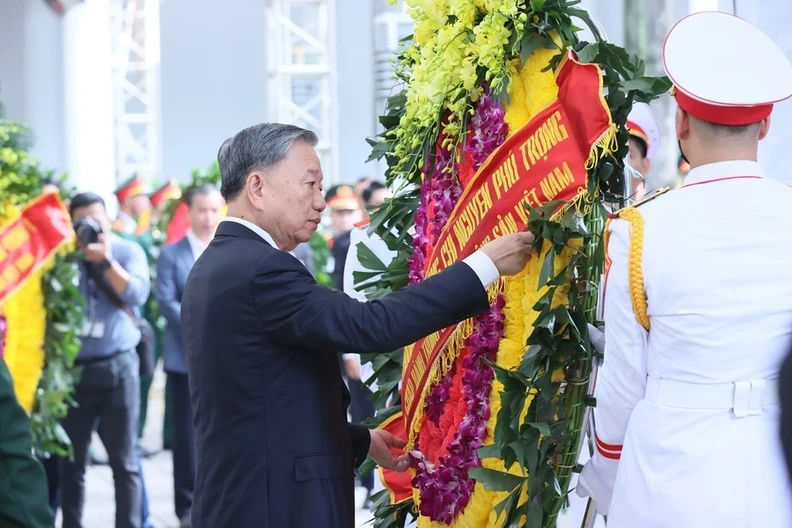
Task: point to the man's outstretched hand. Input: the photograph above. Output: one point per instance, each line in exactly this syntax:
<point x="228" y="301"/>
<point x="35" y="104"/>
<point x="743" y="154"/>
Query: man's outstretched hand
<point x="510" y="253"/>
<point x="380" y="450"/>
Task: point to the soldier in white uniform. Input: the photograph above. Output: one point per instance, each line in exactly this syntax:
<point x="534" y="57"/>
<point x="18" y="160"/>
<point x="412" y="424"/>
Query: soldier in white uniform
<point x="644" y="143"/>
<point x="698" y="306"/>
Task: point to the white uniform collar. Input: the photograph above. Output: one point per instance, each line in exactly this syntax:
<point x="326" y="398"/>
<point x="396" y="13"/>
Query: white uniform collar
<point x="253" y="227"/>
<point x="723" y="170"/>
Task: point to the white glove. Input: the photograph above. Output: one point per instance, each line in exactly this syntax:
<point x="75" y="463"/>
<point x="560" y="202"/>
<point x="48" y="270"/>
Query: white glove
<point x="589" y="485"/>
<point x="597" y="338"/>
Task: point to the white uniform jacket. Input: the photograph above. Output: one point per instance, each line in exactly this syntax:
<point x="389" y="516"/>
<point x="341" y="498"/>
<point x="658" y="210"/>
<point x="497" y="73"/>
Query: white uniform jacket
<point x="717" y="272"/>
<point x="380" y="249"/>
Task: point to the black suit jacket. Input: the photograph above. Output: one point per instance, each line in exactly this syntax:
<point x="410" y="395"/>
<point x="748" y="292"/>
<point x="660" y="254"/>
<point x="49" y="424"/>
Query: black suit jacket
<point x="274" y="448"/>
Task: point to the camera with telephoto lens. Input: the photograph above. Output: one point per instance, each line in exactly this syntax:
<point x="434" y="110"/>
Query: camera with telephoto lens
<point x="87" y="230"/>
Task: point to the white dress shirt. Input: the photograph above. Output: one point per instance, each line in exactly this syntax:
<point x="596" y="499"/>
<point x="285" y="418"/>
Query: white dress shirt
<point x="253" y="227"/>
<point x="263" y="234"/>
<point x="196" y="244"/>
<point x="479" y="262"/>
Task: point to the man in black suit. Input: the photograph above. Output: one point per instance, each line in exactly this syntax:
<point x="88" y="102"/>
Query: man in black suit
<point x="260" y="336"/>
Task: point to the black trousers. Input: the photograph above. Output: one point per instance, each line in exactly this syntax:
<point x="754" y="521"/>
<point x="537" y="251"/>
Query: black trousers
<point x="361" y="409"/>
<point x="183" y="444"/>
<point x="52" y="469"/>
<point x="108" y="394"/>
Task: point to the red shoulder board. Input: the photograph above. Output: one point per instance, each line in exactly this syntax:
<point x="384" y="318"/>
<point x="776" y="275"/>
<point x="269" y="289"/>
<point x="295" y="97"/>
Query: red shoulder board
<point x="363" y="223"/>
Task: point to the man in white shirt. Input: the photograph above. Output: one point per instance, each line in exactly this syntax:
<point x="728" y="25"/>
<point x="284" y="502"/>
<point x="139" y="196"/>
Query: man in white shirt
<point x="205" y="207"/>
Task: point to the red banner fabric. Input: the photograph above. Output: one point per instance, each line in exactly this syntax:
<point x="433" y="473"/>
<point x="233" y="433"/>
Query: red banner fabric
<point x="29" y="241"/>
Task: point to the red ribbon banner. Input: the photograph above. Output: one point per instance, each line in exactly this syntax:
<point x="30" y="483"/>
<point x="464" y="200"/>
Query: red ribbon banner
<point x="29" y="241"/>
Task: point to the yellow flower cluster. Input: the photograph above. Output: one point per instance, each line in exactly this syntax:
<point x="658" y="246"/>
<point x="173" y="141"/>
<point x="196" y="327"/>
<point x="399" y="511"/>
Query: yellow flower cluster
<point x="452" y="40"/>
<point x="27" y="318"/>
<point x="11" y="158"/>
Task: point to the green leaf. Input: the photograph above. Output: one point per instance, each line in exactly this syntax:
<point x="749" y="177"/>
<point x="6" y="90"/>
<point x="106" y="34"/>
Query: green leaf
<point x="495" y="480"/>
<point x="535" y="511"/>
<point x="527" y="364"/>
<point x="531" y="42"/>
<point x="531" y="438"/>
<point x="588" y="53"/>
<point x="642" y="84"/>
<point x="518" y="446"/>
<point x="509" y="456"/>
<point x="547" y="267"/>
<point x="583" y="15"/>
<point x="490" y="451"/>
<point x="542" y="427"/>
<point x="508" y="504"/>
<point x="367" y="467"/>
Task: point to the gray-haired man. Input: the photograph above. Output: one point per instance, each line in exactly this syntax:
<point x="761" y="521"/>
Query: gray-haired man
<point x="261" y="339"/>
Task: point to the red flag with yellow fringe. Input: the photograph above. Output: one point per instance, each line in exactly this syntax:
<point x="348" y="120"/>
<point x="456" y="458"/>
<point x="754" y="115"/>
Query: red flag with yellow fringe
<point x="28" y="242"/>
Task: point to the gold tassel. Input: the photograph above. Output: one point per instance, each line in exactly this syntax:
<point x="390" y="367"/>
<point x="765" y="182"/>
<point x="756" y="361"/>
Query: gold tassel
<point x="605" y="145"/>
<point x="634" y="265"/>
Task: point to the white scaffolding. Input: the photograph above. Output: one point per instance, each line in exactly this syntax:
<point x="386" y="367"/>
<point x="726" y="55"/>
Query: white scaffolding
<point x="301" y="72"/>
<point x="135" y="57"/>
<point x="391" y="25"/>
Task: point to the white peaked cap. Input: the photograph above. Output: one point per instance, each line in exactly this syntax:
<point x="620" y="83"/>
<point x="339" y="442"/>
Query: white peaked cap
<point x="641" y="124"/>
<point x="725" y="70"/>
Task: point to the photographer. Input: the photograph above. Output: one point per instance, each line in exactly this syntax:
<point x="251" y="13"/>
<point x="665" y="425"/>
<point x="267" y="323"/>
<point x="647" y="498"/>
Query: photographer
<point x="114" y="279"/>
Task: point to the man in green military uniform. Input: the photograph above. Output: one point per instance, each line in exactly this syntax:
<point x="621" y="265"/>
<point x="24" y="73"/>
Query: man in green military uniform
<point x="24" y="502"/>
<point x="132" y="206"/>
<point x="134" y="223"/>
<point x="159" y="200"/>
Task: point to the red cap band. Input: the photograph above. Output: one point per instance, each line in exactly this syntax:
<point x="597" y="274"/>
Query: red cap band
<point x="134" y="188"/>
<point x="722" y="115"/>
<point x="635" y="130"/>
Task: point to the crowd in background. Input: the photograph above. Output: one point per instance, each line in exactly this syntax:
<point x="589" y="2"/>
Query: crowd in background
<point x="132" y="275"/>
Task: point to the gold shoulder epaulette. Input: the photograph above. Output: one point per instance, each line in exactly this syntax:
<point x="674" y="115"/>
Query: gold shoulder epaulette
<point x="634" y="265"/>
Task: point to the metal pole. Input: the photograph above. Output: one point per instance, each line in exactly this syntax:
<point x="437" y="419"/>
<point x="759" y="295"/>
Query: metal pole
<point x="590" y="517"/>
